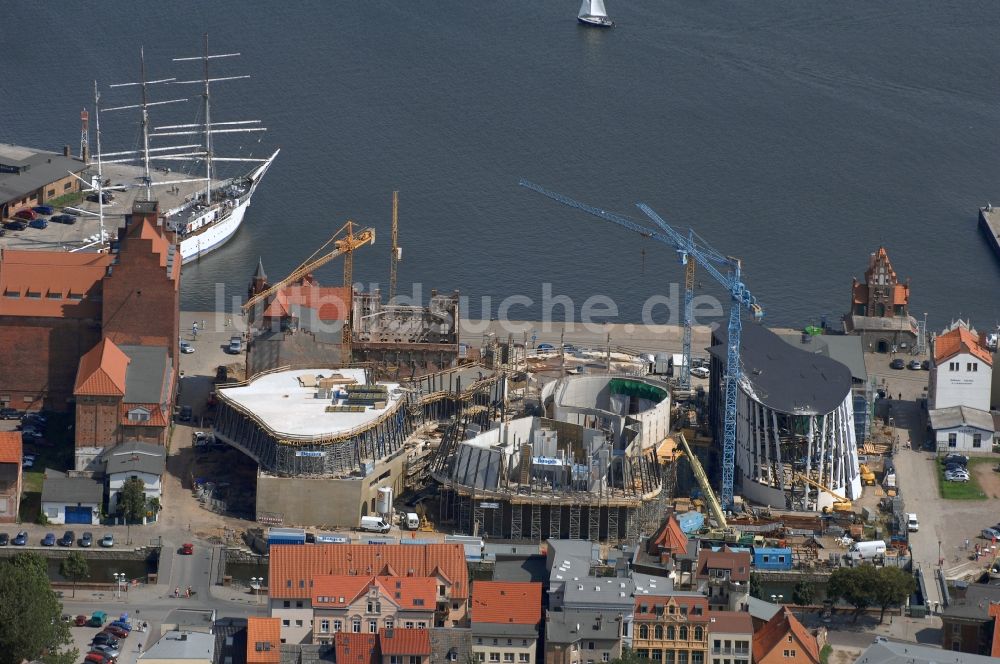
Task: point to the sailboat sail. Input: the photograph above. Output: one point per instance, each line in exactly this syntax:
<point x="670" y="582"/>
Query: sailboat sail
<point x="597" y="8"/>
<point x="584" y="8"/>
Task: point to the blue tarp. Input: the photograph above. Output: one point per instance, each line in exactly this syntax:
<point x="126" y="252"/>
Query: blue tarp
<point x="691" y="522"/>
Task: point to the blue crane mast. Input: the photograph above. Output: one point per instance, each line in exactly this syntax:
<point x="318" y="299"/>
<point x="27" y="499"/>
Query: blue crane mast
<point x="690" y="248"/>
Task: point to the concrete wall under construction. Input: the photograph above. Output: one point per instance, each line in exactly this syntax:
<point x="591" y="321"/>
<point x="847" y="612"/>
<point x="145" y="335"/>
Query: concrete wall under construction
<point x="268" y="350"/>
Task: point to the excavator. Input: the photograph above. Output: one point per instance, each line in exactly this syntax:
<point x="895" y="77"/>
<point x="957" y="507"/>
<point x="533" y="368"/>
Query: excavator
<point x="841" y="504"/>
<point x="867" y="476"/>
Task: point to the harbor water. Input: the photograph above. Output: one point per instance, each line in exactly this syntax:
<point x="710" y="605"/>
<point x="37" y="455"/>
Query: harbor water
<point x="797" y="136"/>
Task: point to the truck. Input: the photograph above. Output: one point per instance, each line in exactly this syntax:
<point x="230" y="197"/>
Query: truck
<point x="373" y="524"/>
<point x="867" y="550"/>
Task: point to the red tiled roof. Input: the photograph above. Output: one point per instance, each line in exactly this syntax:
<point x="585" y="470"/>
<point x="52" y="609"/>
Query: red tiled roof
<point x="399" y="641"/>
<point x="957" y="341"/>
<point x="351" y="648"/>
<point x="330" y="301"/>
<point x="292" y="567"/>
<point x="507" y="602"/>
<point x="156" y="416"/>
<point x="649" y="607"/>
<point x="668" y="539"/>
<point x="338" y="591"/>
<point x="51" y="284"/>
<point x="777" y="629"/>
<point x="731" y="622"/>
<point x="10" y="447"/>
<point x="102" y="371"/>
<point x="410" y="592"/>
<point x="737" y="562"/>
<point x="267" y="633"/>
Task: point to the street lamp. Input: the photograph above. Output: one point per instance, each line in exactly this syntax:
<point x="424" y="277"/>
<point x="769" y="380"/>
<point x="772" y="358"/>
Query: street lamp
<point x="255" y="583"/>
<point x="119" y="582"/>
<point x="940" y="559"/>
<point x="776" y="599"/>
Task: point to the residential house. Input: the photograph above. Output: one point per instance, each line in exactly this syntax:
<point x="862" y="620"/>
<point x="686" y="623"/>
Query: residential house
<point x="884" y="651"/>
<point x="451" y="644"/>
<point x="181" y="648"/>
<point x="263" y="640"/>
<point x="784" y="640"/>
<point x="968" y="623"/>
<point x="724" y="577"/>
<point x="134" y="459"/>
<point x="356" y="648"/>
<point x="761" y="611"/>
<point x="293" y="569"/>
<point x="506" y="617"/>
<point x="369" y="603"/>
<point x="582" y="636"/>
<point x="400" y="645"/>
<point x="672" y="629"/>
<point x="962" y="429"/>
<point x="668" y="541"/>
<point x="962" y="369"/>
<point x="11" y="455"/>
<point x="71" y="500"/>
<point x="731" y="637"/>
<point x="123" y="393"/>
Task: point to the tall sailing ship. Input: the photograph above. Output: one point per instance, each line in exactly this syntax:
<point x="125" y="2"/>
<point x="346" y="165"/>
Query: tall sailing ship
<point x="206" y="220"/>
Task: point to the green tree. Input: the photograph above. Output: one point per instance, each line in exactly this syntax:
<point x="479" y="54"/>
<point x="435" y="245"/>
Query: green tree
<point x="132" y="503"/>
<point x="854" y="585"/>
<point x="629" y="657"/>
<point x="804" y="593"/>
<point x="30" y="615"/>
<point x="755" y="589"/>
<point x="75" y="568"/>
<point x="893" y="587"/>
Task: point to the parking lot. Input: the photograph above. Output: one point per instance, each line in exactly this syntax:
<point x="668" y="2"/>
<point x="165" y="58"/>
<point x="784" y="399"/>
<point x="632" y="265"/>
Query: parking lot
<point x="129" y="646"/>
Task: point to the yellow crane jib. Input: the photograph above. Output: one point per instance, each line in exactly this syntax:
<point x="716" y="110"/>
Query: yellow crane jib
<point x="341" y="246"/>
<point x="706" y="488"/>
<point x="842" y="504"/>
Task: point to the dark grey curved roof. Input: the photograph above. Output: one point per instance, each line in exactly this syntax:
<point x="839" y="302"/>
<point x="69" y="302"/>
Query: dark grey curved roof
<point x="783" y="377"/>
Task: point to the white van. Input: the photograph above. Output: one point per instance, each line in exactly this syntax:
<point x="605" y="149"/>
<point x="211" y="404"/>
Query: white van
<point x="912" y="524"/>
<point x="373" y="524"/>
<point x="867" y="550"/>
<point x="412" y="521"/>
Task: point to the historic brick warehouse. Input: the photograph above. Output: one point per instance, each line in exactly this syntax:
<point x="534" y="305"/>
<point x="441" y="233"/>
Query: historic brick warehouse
<point x="57" y="307"/>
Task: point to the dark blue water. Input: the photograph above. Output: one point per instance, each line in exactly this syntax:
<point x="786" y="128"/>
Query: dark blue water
<point x="797" y="136"/>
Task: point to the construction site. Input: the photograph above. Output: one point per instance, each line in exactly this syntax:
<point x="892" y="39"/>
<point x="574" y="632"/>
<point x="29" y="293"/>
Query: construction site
<point x="588" y="470"/>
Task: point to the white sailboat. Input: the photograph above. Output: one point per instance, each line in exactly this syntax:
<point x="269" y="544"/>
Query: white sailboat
<point x="206" y="221"/>
<point x="593" y="12"/>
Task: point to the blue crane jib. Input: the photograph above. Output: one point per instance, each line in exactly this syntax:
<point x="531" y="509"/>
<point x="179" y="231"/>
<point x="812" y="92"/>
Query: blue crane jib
<point x="689" y="247"/>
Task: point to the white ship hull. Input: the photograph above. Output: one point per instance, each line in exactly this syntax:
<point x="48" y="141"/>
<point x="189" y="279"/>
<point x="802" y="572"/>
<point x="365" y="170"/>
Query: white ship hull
<point x="210" y="235"/>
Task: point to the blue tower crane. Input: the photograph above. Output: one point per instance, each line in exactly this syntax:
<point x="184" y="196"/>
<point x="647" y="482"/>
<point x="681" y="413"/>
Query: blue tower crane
<point x="692" y="248"/>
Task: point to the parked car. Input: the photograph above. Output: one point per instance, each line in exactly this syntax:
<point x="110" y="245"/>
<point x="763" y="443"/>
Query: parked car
<point x="912" y="525"/>
<point x="117" y="632"/>
<point x="34" y="417"/>
<point x="43" y="209"/>
<point x="95" y="657"/>
<point x="10" y="414"/>
<point x="898" y="363"/>
<point x="235" y="345"/>
<point x="21" y="538"/>
<point x="26" y="213"/>
<point x="105" y="639"/>
<point x="67" y="219"/>
<point x="49" y="539"/>
<point x="926" y="365"/>
<point x="699" y="372"/>
<point x="914" y="365"/>
<point x="186" y="347"/>
<point x="80" y="621"/>
<point x="185" y="414"/>
<point x="121" y="624"/>
<point x="108" y="541"/>
<point x="92" y="197"/>
<point x="956" y="458"/>
<point x="28" y="462"/>
<point x="87" y="540"/>
<point x="68" y="538"/>
<point x="187" y="549"/>
<point x="4" y="539"/>
<point x="38" y="223"/>
<point x="957" y="476"/>
<point x="114" y="651"/>
<point x="991" y="533"/>
<point x="16" y="225"/>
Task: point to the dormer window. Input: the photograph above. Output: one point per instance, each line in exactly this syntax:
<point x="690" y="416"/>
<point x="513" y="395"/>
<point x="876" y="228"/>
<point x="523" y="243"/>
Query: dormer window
<point x="138" y="415"/>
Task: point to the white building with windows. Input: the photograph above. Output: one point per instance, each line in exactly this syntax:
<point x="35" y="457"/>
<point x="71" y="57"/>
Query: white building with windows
<point x="962" y="429"/>
<point x="134" y="459"/>
<point x="962" y="371"/>
<point x="730" y="636"/>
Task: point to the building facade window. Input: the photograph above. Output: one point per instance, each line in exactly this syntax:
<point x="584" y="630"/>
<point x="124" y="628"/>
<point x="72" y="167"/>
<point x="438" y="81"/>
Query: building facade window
<point x="356" y="626"/>
<point x="324" y="626"/>
<point x="952" y="440"/>
<point x="977" y="440"/>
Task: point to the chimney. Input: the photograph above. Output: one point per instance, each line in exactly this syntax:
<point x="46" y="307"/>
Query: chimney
<point x="66" y="152"/>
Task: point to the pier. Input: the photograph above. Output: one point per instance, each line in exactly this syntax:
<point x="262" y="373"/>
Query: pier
<point x="989" y="221"/>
